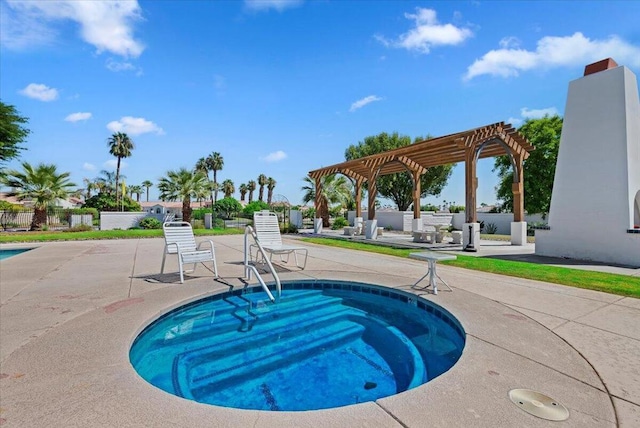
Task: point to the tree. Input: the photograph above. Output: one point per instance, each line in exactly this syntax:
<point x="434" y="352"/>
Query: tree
<point x="539" y="168"/>
<point x="120" y="146"/>
<point x="89" y="186"/>
<point x="228" y="188"/>
<point x="41" y="184"/>
<point x="243" y="191"/>
<point x="215" y="163"/>
<point x="146" y="184"/>
<point x="262" y="181"/>
<point x="335" y="189"/>
<point x="137" y="190"/>
<point x="105" y="183"/>
<point x="271" y="184"/>
<point x="251" y="187"/>
<point x="12" y="132"/>
<point x="107" y="202"/>
<point x="227" y="207"/>
<point x="183" y="184"/>
<point x="399" y="187"/>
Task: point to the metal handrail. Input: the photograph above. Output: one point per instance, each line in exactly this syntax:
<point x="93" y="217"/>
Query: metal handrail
<point x="248" y="268"/>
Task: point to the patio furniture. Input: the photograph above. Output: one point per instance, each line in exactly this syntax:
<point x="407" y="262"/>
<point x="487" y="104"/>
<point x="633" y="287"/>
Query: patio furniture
<point x="265" y="224"/>
<point x="179" y="239"/>
<point x="431" y="257"/>
<point x="424" y="236"/>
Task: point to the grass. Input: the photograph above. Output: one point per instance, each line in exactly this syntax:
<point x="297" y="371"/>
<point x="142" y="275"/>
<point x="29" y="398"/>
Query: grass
<point x="622" y="285"/>
<point x="6" y="237"/>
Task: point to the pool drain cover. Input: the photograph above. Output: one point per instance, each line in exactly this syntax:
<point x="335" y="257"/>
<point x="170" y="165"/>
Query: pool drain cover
<point x="538" y="404"/>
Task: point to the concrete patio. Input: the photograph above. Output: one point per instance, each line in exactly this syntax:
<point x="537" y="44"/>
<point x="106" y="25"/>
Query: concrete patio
<point x="71" y="310"/>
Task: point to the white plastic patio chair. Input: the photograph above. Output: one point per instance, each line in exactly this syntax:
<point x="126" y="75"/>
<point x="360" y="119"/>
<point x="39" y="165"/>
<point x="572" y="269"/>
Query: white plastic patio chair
<point x="179" y="239"/>
<point x="267" y="229"/>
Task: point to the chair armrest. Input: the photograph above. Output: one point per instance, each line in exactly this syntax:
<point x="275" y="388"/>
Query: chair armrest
<point x="210" y="242"/>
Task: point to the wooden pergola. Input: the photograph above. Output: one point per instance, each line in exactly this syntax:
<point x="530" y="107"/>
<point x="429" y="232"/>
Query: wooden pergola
<point x="497" y="139"/>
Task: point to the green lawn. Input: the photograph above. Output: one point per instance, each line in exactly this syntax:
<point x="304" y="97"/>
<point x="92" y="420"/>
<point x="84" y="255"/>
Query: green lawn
<point x="622" y="285"/>
<point x="102" y="234"/>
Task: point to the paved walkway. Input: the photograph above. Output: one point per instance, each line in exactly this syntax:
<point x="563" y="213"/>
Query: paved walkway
<point x="69" y="312"/>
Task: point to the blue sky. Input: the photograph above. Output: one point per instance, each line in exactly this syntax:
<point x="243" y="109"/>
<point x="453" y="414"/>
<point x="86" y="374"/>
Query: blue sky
<point x="283" y="87"/>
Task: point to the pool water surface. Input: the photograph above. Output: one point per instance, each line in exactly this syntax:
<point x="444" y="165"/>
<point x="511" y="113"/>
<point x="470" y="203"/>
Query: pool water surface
<point x="324" y="344"/>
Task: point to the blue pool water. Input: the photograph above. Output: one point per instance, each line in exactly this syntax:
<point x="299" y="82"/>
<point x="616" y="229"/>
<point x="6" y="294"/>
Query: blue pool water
<point x="324" y="344"/>
<point x="5" y="254"/>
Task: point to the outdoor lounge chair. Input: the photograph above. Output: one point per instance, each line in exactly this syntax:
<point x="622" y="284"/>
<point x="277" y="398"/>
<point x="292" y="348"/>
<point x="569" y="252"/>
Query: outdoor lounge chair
<point x="267" y="229"/>
<point x="179" y="239"/>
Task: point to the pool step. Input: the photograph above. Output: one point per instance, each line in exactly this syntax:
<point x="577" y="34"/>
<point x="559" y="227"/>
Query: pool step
<point x="266" y="335"/>
<point x="233" y="317"/>
<point x="191" y="381"/>
<point x="312" y="306"/>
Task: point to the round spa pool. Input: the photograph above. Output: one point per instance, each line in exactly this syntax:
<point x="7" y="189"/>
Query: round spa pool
<point x="324" y="344"/>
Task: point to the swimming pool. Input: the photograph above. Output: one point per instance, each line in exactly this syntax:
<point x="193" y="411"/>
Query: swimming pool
<point x="324" y="344"/>
<point x="6" y="253"/>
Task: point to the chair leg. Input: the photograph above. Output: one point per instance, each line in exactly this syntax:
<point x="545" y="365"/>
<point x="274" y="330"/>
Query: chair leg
<point x="164" y="256"/>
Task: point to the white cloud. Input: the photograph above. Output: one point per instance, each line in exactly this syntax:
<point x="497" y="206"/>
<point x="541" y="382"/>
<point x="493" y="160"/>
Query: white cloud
<point x="107" y="25"/>
<point x="553" y="52"/>
<point x="276" y="156"/>
<point x="76" y="117"/>
<point x="363" y="102"/>
<point x="134" y="126"/>
<point x="428" y="32"/>
<point x="514" y="121"/>
<point x="279" y="5"/>
<point x="538" y="113"/>
<point x="88" y="166"/>
<point x="41" y="92"/>
<point x="117" y="66"/>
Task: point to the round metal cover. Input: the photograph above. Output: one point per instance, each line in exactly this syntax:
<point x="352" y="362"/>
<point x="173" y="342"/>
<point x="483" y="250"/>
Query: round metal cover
<point x="538" y="404"/>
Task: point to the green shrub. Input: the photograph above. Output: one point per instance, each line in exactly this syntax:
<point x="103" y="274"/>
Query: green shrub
<point x="254" y="206"/>
<point x="218" y="223"/>
<point x="288" y="228"/>
<point x="79" y="228"/>
<point x="491" y="229"/>
<point x="150" y="223"/>
<point x="339" y="223"/>
<point x="429" y="207"/>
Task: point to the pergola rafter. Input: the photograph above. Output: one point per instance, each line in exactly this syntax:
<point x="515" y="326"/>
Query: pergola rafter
<point x="492" y="140"/>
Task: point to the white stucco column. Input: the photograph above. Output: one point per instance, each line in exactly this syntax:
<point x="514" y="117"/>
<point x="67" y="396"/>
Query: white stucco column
<point x="371" y="229"/>
<point x="317" y="225"/>
<point x="518" y="232"/>
<point x="475" y="232"/>
<point x="416" y="224"/>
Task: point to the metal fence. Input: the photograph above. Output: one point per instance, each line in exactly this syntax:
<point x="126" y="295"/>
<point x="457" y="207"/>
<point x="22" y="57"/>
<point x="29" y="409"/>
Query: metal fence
<point x="21" y="218"/>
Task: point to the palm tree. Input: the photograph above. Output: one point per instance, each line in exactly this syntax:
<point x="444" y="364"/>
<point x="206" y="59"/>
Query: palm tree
<point x="335" y="189"/>
<point x="262" y="181"/>
<point x="251" y="186"/>
<point x="243" y="191"/>
<point x="137" y="190"/>
<point x="105" y="183"/>
<point x="228" y="188"/>
<point x="215" y="163"/>
<point x="42" y="184"/>
<point x="147" y="184"/>
<point x="271" y="184"/>
<point x="89" y="186"/>
<point x="120" y="146"/>
<point x="183" y="184"/>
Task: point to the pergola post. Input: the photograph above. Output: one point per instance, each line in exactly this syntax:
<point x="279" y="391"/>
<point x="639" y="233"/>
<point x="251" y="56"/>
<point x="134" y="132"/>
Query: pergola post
<point x="358" y="198"/>
<point x="317" y="221"/>
<point x="416" y="223"/>
<point x="519" y="225"/>
<point x="471" y="228"/>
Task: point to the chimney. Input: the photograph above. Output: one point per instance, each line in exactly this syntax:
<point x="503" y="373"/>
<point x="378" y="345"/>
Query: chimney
<point x="599" y="66"/>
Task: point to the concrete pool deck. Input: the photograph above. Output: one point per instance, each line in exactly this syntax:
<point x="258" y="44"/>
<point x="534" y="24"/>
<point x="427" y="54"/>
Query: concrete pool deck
<point x="69" y="312"/>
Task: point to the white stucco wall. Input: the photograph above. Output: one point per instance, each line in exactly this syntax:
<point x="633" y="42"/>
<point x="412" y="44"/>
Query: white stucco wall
<point x="501" y="220"/>
<point x="120" y="220"/>
<point x="597" y="174"/>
